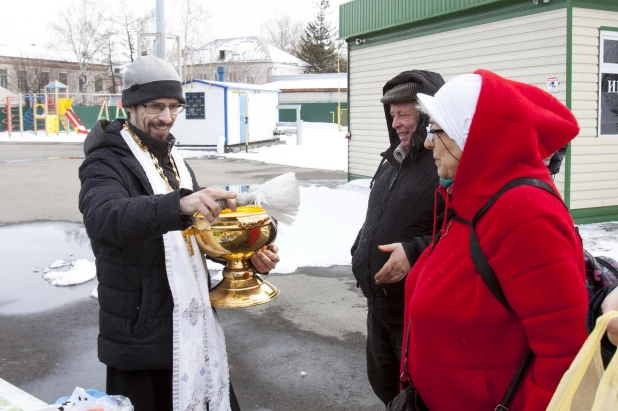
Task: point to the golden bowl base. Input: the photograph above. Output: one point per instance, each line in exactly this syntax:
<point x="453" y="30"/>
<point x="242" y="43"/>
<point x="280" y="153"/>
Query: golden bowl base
<point x="242" y="289"/>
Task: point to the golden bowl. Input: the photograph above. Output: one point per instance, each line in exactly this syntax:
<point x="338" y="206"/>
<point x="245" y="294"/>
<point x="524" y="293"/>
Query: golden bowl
<point x="235" y="237"/>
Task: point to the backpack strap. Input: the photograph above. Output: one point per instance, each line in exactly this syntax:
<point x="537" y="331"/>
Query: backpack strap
<point x="491" y="280"/>
<point x="476" y="252"/>
<point x="518" y="182"/>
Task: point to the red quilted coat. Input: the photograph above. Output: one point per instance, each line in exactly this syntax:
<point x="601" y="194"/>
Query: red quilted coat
<point x="464" y="345"/>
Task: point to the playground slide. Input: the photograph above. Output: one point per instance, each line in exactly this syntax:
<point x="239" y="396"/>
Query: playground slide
<point x="75" y="122"/>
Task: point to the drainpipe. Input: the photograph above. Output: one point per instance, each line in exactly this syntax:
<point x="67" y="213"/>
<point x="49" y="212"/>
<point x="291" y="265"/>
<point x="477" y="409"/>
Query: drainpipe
<point x="221" y="73"/>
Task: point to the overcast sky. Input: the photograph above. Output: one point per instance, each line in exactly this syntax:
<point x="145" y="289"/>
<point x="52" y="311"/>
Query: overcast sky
<point x="26" y="22"/>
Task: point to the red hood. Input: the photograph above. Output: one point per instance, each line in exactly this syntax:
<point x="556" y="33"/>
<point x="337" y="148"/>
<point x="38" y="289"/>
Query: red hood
<point x="515" y="126"/>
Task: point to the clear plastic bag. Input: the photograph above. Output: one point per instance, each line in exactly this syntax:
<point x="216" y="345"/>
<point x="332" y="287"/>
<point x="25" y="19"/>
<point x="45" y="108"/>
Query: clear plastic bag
<point x="80" y="400"/>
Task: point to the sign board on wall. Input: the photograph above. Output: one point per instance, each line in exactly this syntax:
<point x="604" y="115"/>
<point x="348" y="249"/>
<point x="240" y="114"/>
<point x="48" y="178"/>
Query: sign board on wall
<point x="552" y="84"/>
<point x="608" y="84"/>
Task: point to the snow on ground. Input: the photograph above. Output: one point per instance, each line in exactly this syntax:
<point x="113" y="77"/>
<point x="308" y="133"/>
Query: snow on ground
<point x="40" y="137"/>
<point x="322" y="147"/>
<point x="325" y="228"/>
<point x="81" y="271"/>
<point x="601" y="239"/>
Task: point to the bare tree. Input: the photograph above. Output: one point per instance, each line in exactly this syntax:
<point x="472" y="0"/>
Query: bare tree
<point x="31" y="75"/>
<point x="127" y="26"/>
<point x="243" y="72"/>
<point x="112" y="63"/>
<point x="283" y="32"/>
<point x="192" y="27"/>
<point x="82" y="32"/>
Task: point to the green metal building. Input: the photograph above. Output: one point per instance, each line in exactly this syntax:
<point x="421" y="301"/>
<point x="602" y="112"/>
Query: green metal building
<point x="568" y="47"/>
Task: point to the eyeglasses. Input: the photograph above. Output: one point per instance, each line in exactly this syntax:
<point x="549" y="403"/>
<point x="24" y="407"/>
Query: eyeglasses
<point x="157" y="108"/>
<point x="431" y="132"/>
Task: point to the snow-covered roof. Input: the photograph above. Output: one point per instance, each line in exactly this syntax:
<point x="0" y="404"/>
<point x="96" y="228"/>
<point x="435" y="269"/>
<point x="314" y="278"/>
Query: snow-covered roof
<point x="238" y="86"/>
<point x="247" y="50"/>
<point x="310" y="81"/>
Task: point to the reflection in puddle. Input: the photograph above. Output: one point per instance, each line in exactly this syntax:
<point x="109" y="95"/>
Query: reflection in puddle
<point x="24" y="247"/>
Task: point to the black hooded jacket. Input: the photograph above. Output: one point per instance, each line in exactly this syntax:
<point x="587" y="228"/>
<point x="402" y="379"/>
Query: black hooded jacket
<point x="400" y="208"/>
<point x="125" y="222"/>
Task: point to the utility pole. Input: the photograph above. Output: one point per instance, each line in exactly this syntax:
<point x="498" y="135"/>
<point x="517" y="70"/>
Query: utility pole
<point x="160" y="29"/>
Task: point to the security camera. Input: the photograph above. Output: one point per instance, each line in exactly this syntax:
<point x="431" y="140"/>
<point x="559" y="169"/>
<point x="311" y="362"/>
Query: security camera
<point x="360" y="41"/>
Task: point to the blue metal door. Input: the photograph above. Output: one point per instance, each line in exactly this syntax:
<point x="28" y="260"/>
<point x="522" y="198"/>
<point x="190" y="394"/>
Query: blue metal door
<point x="243" y="117"/>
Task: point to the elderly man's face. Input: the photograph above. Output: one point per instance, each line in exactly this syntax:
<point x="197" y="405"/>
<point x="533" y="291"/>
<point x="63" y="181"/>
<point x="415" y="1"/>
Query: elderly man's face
<point x="405" y="119"/>
<point x="155" y="125"/>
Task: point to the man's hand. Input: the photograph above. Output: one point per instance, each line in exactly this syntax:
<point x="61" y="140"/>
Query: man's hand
<point x="205" y="202"/>
<point x="266" y="259"/>
<point x="397" y="266"/>
<point x="611" y="304"/>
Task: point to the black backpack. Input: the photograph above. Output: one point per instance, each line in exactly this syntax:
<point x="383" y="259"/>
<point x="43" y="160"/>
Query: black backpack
<point x="600" y="272"/>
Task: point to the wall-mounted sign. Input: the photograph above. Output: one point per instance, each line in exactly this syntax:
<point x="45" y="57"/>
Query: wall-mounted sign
<point x="608" y="85"/>
<point x="552" y="84"/>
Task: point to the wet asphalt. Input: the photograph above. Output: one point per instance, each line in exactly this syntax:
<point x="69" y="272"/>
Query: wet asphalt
<point x="48" y="334"/>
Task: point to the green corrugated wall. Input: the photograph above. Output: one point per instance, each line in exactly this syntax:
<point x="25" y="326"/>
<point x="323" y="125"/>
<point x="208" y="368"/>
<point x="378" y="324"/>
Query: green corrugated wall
<point x="314" y="112"/>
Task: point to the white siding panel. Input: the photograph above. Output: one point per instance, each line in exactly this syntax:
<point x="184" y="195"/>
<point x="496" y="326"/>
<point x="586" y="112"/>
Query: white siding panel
<point x="594" y="167"/>
<point x="527" y="49"/>
<point x="202" y="132"/>
<point x="263" y="115"/>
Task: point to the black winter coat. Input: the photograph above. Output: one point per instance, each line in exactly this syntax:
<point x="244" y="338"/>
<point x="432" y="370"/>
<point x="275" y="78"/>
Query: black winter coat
<point x="400" y="208"/>
<point x="125" y="222"/>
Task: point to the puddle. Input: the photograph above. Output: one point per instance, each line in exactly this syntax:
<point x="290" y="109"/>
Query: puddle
<point x="25" y="246"/>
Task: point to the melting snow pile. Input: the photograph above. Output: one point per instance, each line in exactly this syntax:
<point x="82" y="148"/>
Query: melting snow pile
<point x="80" y="272"/>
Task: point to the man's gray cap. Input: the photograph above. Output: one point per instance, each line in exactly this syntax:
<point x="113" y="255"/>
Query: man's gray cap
<point x="401" y="93"/>
<point x="149" y="78"/>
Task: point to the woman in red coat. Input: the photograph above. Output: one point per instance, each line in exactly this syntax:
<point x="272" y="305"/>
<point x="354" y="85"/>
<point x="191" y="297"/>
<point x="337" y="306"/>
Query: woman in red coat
<point x="464" y="345"/>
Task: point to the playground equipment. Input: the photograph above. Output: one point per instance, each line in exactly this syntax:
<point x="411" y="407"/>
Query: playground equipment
<point x="47" y="111"/>
<point x="67" y="113"/>
<point x="13" y="102"/>
<point x="104" y="111"/>
<point x="59" y="111"/>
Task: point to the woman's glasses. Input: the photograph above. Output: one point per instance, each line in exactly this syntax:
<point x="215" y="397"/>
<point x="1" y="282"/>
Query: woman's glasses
<point x="431" y="132"/>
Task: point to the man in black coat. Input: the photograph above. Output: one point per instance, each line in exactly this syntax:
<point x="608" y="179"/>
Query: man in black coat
<point x="398" y="225"/>
<point x="126" y="222"/>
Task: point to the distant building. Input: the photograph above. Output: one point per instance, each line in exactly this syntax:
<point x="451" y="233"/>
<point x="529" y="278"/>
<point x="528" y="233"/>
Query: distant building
<point x="318" y="95"/>
<point x="29" y="69"/>
<point x="243" y="114"/>
<point x="246" y="60"/>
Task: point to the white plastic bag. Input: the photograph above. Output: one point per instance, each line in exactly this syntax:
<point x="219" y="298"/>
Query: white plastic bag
<point x="81" y="401"/>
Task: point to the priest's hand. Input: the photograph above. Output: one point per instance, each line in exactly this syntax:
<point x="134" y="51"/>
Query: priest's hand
<point x="204" y="201"/>
<point x="397" y="266"/>
<point x="266" y="259"/>
<point x="611" y="304"/>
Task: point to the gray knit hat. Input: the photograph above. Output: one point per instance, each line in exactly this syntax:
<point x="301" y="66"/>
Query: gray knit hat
<point x="149" y="78"/>
<point x="401" y="93"/>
